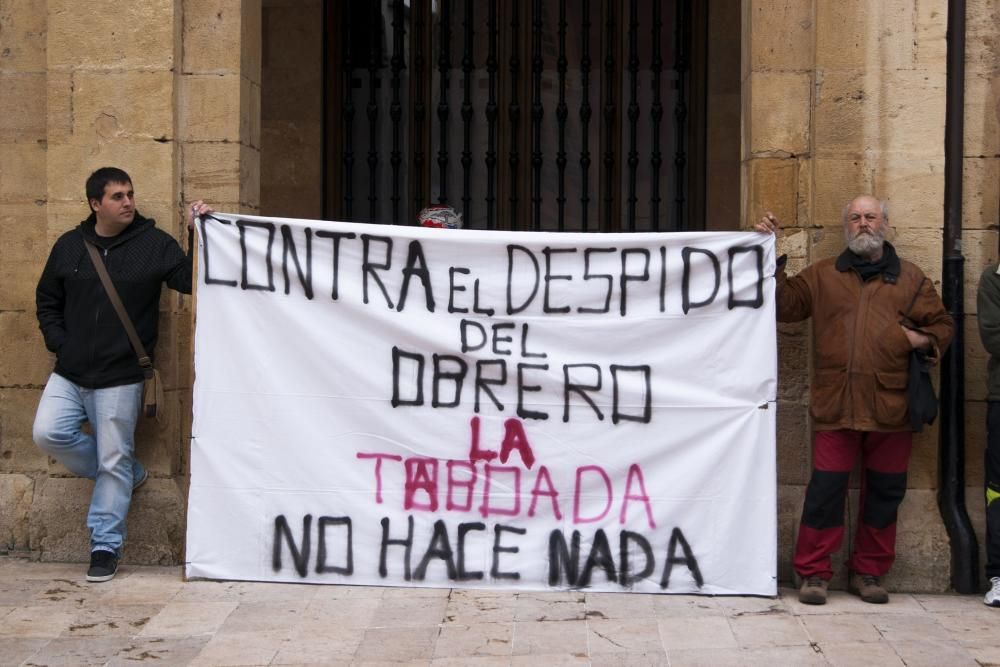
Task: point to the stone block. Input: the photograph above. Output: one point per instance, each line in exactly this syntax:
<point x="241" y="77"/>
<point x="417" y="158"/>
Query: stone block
<point x="59" y="106"/>
<point x="57" y="521"/>
<point x="211" y="172"/>
<point x="22" y="172"/>
<point x="22" y="107"/>
<point x="130" y="104"/>
<point x="794" y="243"/>
<point x="780" y="112"/>
<point x="844" y="34"/>
<point x="793" y="361"/>
<point x="25" y="360"/>
<point x="781" y="35"/>
<point x="157" y="441"/>
<point x="773" y="187"/>
<point x="249" y="179"/>
<point x="296" y="24"/>
<point x="18" y="453"/>
<point x="975" y="444"/>
<point x="156" y="524"/>
<point x="842" y="109"/>
<point x="980" y="193"/>
<point x="923" y="557"/>
<point x="794" y="442"/>
<point x="982" y="49"/>
<point x="836" y="182"/>
<point x="15" y="506"/>
<point x="249" y="113"/>
<point x="149" y="163"/>
<point x="210" y="106"/>
<point x="923" y="467"/>
<point x="923" y="248"/>
<point x="23" y="250"/>
<point x="982" y="115"/>
<point x="790" y="499"/>
<point x="23" y="24"/>
<point x="64" y="216"/>
<point x="931" y="44"/>
<point x="856" y="34"/>
<point x="805" y="202"/>
<point x="213" y="36"/>
<point x="911" y="111"/>
<point x="134" y="35"/>
<point x="914" y="188"/>
<point x="251" y="35"/>
<point x="166" y="351"/>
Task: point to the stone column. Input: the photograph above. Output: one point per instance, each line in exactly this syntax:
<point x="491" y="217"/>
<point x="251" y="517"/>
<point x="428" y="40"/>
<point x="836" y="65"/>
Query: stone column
<point x="23" y="240"/>
<point x="778" y="80"/>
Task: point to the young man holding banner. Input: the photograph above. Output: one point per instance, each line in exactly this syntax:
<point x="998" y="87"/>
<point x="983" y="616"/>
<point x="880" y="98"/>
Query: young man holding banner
<point x="869" y="309"/>
<point x="97" y="376"/>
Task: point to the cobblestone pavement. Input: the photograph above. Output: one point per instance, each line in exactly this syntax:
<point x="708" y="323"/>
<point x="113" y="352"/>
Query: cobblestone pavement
<point x="149" y="615"/>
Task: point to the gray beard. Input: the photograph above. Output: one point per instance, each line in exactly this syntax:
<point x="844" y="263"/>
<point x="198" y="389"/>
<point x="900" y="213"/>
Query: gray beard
<point x="866" y="246"/>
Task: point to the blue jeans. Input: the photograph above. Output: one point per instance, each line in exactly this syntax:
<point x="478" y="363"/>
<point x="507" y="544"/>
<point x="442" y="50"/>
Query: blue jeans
<point x="107" y="456"/>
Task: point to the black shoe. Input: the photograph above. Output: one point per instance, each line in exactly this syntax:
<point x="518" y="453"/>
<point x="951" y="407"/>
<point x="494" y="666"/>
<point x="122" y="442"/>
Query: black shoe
<point x="103" y="565"/>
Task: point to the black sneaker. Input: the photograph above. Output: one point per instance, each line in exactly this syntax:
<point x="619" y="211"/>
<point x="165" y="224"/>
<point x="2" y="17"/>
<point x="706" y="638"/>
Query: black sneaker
<point x="103" y="565"/>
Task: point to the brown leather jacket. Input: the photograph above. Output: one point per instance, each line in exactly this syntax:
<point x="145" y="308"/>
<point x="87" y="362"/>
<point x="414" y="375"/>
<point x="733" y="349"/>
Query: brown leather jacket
<point x="860" y="352"/>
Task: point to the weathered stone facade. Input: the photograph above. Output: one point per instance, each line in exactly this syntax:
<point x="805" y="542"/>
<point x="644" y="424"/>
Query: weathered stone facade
<point x="168" y="91"/>
<point x="838" y="98"/>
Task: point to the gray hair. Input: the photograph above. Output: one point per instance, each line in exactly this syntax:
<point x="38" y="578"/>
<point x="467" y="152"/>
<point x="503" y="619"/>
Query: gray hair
<point x="883" y="204"/>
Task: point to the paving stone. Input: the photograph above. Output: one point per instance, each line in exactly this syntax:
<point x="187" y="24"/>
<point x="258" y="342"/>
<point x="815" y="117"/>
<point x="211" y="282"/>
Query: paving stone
<point x="550" y="607"/>
<point x="314" y="645"/>
<point x="768" y="630"/>
<point x="629" y="659"/>
<point x="49" y="615"/>
<point x="79" y="651"/>
<point x="403" y="612"/>
<point x="159" y="651"/>
<point x="928" y="653"/>
<point x="239" y="648"/>
<point x="837" y="628"/>
<point x="467" y="608"/>
<point x="180" y="619"/>
<point x="625" y="636"/>
<point x="36" y="622"/>
<point x="396" y="644"/>
<point x="860" y="654"/>
<point x="620" y="605"/>
<point x="16" y="650"/>
<point x="476" y="640"/>
<point x="696" y="633"/>
<point x="104" y="620"/>
<point x="705" y="657"/>
<point x="550" y="637"/>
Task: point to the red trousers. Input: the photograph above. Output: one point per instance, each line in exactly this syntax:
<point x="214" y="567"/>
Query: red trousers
<point x="884" y="459"/>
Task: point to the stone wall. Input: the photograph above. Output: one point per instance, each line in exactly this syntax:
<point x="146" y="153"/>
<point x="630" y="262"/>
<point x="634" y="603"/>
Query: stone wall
<point x="839" y="98"/>
<point x="845" y="98"/>
<point x="168" y="91"/>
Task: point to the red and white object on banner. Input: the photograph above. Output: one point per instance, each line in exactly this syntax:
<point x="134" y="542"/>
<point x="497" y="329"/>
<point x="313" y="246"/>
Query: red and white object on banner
<point x="440" y="217"/>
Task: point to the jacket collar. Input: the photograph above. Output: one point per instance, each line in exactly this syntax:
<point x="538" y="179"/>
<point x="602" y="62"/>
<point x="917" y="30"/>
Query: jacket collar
<point x="139" y="225"/>
<point x="890" y="272"/>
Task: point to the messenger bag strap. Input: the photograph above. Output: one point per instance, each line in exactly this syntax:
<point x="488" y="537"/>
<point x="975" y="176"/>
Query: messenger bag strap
<point x="102" y="272"/>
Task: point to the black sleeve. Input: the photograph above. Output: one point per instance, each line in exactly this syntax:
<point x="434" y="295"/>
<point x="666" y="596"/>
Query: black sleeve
<point x="178" y="266"/>
<point x="50" y="299"/>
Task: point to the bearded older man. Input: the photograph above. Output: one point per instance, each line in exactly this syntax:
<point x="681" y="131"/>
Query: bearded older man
<point x="869" y="309"/>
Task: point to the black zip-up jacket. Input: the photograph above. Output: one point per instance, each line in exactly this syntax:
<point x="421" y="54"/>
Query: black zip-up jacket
<point x="75" y="315"/>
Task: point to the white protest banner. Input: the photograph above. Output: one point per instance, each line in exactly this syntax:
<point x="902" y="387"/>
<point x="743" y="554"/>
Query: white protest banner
<point x="420" y="407"/>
